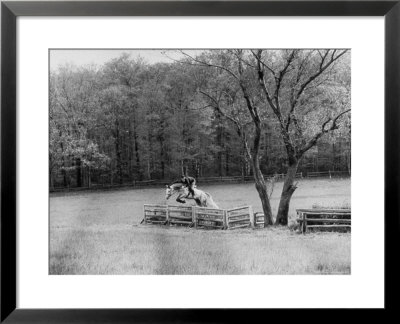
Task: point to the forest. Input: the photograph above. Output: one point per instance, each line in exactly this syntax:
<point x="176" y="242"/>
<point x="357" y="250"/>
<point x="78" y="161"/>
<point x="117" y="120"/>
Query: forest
<point x="217" y="113"/>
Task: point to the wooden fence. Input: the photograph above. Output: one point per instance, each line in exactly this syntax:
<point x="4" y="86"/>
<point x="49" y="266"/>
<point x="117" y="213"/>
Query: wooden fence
<point x="231" y="179"/>
<point x="199" y="217"/>
<point x="239" y="217"/>
<point x="325" y="174"/>
<point x="259" y="220"/>
<point x="323" y="218"/>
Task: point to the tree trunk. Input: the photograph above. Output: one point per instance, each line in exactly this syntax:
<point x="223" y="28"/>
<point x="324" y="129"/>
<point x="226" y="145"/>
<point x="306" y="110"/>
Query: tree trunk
<point x="162" y="156"/>
<point x="287" y="192"/>
<point x="220" y="163"/>
<point x="162" y="169"/>
<point x="148" y="169"/>
<point x="262" y="192"/>
<point x="130" y="152"/>
<point x="51" y="180"/>
<point x="220" y="146"/>
<point x="63" y="172"/>
<point x="136" y="147"/>
<point x="226" y="164"/>
<point x="118" y="151"/>
<point x="78" y="172"/>
<point x="348" y="161"/>
<point x="197" y="169"/>
<point x="89" y="179"/>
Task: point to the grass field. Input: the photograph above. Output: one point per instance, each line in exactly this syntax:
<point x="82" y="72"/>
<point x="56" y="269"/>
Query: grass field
<point x="99" y="233"/>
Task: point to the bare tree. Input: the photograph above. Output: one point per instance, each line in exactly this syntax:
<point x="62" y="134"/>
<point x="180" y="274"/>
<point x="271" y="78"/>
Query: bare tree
<point x="294" y="85"/>
<point x="251" y="150"/>
<point x="305" y="70"/>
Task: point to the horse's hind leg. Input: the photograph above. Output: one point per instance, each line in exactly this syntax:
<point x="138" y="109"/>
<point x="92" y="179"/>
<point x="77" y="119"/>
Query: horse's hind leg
<point x="198" y="202"/>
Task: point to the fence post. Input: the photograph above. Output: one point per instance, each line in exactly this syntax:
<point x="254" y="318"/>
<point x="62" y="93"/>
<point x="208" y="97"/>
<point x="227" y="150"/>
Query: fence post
<point x="144" y="213"/>
<point x="167" y="215"/>
<point x="194" y="216"/>
<point x="330" y="176"/>
<point x="225" y="219"/>
<point x="251" y="216"/>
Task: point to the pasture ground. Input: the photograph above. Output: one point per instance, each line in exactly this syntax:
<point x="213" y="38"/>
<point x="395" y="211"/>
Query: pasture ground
<point x="99" y="233"/>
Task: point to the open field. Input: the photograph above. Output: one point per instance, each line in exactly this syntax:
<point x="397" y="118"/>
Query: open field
<point x="98" y="233"/>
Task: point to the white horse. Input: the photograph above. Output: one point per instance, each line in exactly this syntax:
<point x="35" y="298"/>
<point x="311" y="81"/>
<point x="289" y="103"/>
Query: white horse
<point x="202" y="199"/>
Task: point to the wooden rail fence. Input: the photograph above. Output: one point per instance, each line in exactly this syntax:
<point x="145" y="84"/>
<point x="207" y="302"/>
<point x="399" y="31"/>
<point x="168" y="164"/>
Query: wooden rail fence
<point x="228" y="179"/>
<point x="199" y="217"/>
<point x="239" y="217"/>
<point x="259" y="219"/>
<point x="323" y="218"/>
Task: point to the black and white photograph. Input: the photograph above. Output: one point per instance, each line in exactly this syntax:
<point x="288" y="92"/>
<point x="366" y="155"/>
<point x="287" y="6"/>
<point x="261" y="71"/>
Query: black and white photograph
<point x="200" y="161"/>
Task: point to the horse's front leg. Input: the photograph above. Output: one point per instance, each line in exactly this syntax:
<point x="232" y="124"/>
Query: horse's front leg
<point x="180" y="200"/>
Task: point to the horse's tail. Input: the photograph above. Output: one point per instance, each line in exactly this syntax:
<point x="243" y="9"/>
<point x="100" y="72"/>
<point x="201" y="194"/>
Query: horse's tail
<point x="211" y="200"/>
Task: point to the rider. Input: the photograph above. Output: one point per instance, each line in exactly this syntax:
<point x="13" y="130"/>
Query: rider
<point x="190" y="183"/>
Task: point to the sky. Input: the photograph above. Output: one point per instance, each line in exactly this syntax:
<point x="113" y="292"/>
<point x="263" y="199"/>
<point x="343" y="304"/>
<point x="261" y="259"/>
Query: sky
<point x="79" y="57"/>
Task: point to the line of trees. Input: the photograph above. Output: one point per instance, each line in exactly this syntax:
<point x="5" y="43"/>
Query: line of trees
<point x="223" y="112"/>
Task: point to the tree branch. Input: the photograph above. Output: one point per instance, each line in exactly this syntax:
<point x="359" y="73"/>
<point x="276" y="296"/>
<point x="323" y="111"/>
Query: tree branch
<point x="257" y="56"/>
<point x="239" y="127"/>
<point x="322" y="67"/>
<point x="323" y="131"/>
<point x="281" y="74"/>
<point x="202" y="63"/>
<point x="250" y="105"/>
<point x="263" y="86"/>
<point x="217" y="107"/>
<point x="276" y="109"/>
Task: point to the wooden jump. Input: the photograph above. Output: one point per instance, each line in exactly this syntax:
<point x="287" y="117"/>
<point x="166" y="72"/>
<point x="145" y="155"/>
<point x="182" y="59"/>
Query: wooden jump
<point x="239" y="217"/>
<point x="199" y="217"/>
<point x="323" y="218"/>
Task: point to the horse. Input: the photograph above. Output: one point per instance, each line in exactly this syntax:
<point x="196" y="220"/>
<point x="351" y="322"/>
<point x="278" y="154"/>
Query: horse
<point x="202" y="199"/>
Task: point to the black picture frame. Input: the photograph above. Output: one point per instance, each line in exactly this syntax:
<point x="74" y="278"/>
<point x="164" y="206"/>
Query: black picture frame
<point x="9" y="13"/>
